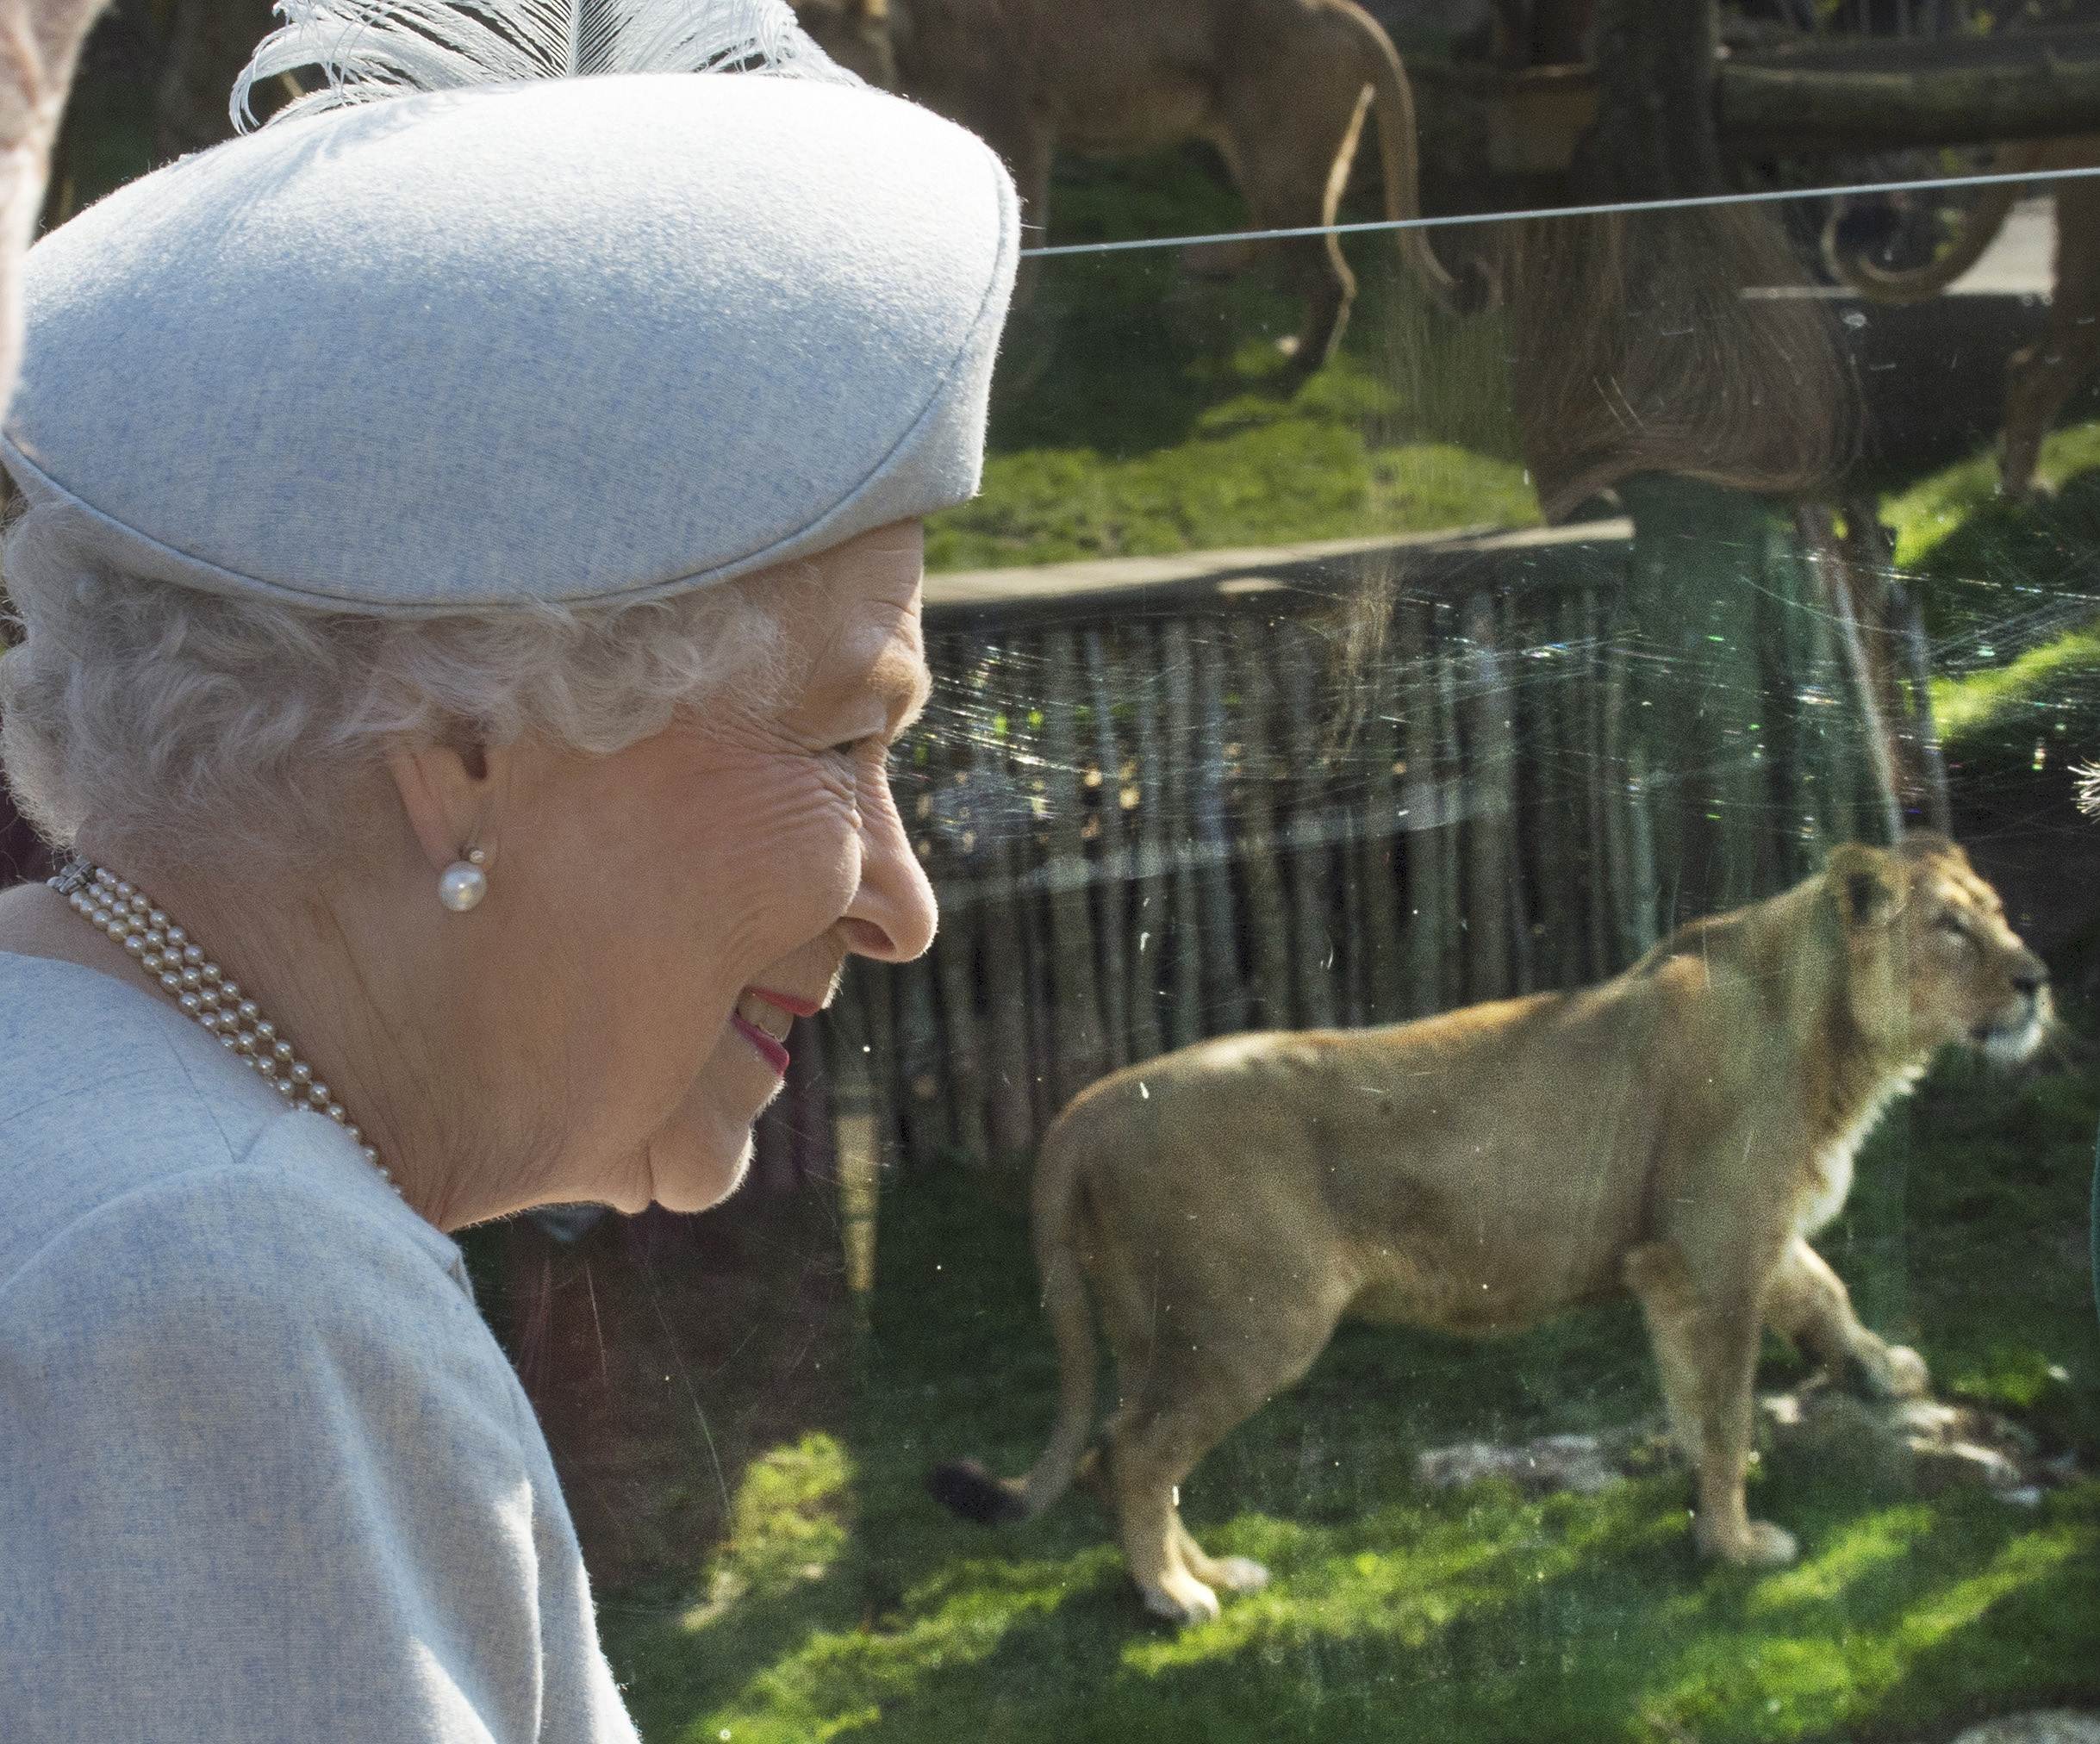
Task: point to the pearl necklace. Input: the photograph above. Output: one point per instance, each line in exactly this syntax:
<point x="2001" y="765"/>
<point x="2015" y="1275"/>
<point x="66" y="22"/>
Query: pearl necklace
<point x="164" y="953"/>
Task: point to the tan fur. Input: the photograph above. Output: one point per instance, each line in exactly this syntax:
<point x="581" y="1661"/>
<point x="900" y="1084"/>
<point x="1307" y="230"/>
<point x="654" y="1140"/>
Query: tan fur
<point x="1279" y="87"/>
<point x="1679" y="1132"/>
<point x="2040" y="377"/>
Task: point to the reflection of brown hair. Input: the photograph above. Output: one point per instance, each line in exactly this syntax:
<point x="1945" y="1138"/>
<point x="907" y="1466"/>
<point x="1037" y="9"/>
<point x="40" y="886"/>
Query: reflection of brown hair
<point x="1635" y="349"/>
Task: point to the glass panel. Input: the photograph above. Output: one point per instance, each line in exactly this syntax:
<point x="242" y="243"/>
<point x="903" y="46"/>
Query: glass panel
<point x="1344" y="735"/>
<point x="1476" y="665"/>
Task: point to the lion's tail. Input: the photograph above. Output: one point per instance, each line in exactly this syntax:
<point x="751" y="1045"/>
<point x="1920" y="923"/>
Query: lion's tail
<point x="963" y="1485"/>
<point x="1979" y="229"/>
<point x="1393" y="102"/>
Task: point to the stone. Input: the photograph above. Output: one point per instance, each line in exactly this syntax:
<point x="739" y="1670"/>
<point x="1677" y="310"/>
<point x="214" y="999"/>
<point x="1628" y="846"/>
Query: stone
<point x="2050" y="1726"/>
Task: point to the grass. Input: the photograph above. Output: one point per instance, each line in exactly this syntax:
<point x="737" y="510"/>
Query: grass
<point x="2010" y="598"/>
<point x="1970" y="705"/>
<point x="846" y="1605"/>
<point x="1140" y="409"/>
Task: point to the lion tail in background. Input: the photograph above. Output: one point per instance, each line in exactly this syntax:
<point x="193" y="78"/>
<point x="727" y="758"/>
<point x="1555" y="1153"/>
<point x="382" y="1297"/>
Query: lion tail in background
<point x="964" y="1487"/>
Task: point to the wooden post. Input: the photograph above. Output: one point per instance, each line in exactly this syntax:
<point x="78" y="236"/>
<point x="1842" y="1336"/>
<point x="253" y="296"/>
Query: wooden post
<point x="1422" y="806"/>
<point x="953" y="836"/>
<point x="1549" y="818"/>
<point x="1385" y="994"/>
<point x="1455" y="791"/>
<point x="1486" y="728"/>
<point x="1080" y="1053"/>
<point x="1010" y="1063"/>
<point x="1312" y="944"/>
<point x="1523" y="959"/>
<point x="857" y="1140"/>
<point x="1585" y="700"/>
<point x="1184" y="940"/>
<point x="1149" y="912"/>
<point x="918" y="1065"/>
<point x="1655" y="133"/>
<point x="1268" y="921"/>
<point x="1112" y="862"/>
<point x="1225" y="997"/>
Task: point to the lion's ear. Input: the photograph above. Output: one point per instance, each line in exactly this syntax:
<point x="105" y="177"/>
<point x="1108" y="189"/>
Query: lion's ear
<point x="1867" y="883"/>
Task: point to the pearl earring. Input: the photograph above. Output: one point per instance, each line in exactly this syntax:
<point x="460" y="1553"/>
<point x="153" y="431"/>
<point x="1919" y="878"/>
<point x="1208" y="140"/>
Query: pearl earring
<point x="462" y="884"/>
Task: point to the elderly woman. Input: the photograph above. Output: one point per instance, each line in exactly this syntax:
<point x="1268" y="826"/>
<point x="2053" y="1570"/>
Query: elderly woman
<point x="469" y="588"/>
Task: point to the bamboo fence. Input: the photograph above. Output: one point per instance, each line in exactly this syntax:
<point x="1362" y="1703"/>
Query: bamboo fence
<point x="1330" y="796"/>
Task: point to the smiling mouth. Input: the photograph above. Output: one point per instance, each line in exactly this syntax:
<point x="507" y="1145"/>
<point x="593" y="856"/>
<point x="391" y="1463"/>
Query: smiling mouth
<point x="763" y="1020"/>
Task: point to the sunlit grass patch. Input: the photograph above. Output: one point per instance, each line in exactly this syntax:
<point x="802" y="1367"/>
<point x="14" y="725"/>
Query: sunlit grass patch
<point x="2033" y="688"/>
<point x="787" y="1525"/>
<point x="1278" y="481"/>
<point x="1140" y="410"/>
<point x="1932" y="508"/>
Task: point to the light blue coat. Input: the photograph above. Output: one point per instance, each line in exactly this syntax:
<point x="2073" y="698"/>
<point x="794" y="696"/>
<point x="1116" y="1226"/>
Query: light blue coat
<point x="264" y="1474"/>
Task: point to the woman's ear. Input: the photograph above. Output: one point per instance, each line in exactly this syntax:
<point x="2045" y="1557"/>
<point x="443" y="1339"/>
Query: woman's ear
<point x="447" y="789"/>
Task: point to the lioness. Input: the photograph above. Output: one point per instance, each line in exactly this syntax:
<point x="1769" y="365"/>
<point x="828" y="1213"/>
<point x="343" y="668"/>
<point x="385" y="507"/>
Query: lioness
<point x="1679" y="1131"/>
<point x="1279" y="87"/>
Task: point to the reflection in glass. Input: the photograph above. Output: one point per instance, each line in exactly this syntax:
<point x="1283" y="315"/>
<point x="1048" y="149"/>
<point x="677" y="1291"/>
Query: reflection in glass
<point x="1474" y="666"/>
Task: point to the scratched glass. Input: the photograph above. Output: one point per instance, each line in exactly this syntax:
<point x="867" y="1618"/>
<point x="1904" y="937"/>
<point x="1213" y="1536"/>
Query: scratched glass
<point x="1484" y="1296"/>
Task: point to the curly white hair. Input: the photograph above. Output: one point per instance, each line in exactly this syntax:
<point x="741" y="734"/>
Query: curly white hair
<point x="166" y="718"/>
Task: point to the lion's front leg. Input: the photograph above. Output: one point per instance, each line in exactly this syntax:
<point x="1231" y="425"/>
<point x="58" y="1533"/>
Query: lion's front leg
<point x="1808" y="1303"/>
<point x="1706" y="1342"/>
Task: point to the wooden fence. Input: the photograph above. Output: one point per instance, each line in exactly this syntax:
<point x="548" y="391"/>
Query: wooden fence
<point x="1269" y="790"/>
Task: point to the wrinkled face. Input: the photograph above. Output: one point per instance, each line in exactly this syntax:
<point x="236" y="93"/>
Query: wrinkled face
<point x="1971" y="979"/>
<point x="714" y="879"/>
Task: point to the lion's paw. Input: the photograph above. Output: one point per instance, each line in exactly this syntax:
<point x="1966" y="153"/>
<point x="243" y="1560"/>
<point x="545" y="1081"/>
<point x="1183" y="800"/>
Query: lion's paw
<point x="1181" y="1597"/>
<point x="1903" y="1374"/>
<point x="1766" y="1546"/>
<point x="1241" y="1575"/>
<point x="1759" y="1545"/>
<point x="1885" y="1371"/>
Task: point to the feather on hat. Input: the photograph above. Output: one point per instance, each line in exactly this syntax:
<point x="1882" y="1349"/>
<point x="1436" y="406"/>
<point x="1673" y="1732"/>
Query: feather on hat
<point x="511" y="338"/>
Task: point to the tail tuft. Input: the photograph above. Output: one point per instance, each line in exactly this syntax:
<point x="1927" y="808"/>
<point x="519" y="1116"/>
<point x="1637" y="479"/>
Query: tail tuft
<point x="964" y="1487"/>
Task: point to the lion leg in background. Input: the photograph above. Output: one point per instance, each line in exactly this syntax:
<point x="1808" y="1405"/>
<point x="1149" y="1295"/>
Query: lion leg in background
<point x="1706" y="1337"/>
<point x="2040" y="377"/>
<point x="1292" y="169"/>
<point x="1808" y="1303"/>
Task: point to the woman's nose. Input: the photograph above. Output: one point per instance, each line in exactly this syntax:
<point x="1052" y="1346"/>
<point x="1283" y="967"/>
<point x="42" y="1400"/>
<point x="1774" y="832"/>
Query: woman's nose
<point x="894" y="915"/>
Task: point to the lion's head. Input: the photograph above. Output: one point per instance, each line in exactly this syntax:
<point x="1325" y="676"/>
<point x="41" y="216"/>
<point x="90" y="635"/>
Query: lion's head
<point x="1932" y="960"/>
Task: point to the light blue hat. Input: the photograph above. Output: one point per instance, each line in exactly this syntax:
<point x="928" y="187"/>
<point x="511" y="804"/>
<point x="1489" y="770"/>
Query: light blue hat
<point x="585" y="340"/>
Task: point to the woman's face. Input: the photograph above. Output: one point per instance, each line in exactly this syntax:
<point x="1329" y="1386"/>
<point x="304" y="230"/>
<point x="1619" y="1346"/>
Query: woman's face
<point x="700" y="890"/>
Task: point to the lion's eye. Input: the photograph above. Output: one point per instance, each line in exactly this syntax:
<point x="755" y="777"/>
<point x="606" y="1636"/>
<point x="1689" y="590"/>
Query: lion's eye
<point x="1948" y="923"/>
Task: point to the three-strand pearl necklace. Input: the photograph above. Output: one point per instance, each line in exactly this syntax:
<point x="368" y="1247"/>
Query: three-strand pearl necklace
<point x="164" y="953"/>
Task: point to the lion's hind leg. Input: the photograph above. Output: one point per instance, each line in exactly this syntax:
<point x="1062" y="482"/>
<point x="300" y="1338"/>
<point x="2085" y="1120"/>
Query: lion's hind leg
<point x="1706" y="1345"/>
<point x="1179" y="1401"/>
<point x="1150" y="1451"/>
<point x="1808" y="1303"/>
